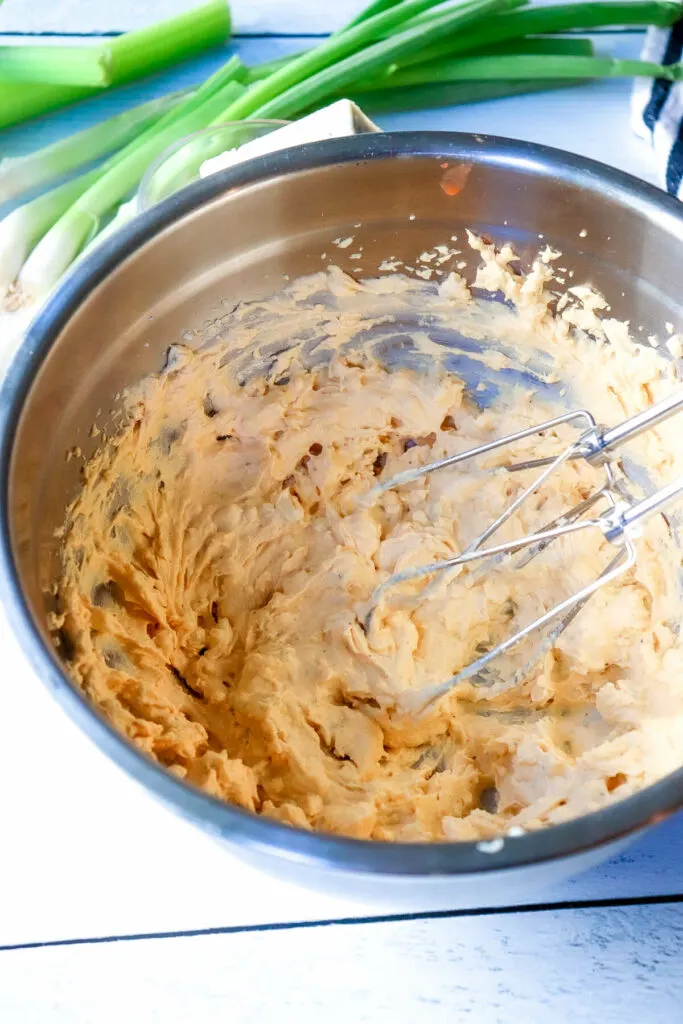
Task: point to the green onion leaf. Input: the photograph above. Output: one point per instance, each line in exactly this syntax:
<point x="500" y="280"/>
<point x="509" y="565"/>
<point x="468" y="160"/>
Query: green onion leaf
<point x="583" y="16"/>
<point x="376" y="7"/>
<point x="306" y="91"/>
<point x="22" y="173"/>
<point x="120" y="175"/>
<point x="147" y="50"/>
<point x="566" y="45"/>
<point x="59" y="65"/>
<point x="123" y="58"/>
<point x="335" y="48"/>
<point x="514" y="65"/>
<point x="35" y="98"/>
<point x="125" y="213"/>
<point x="451" y="94"/>
<point x="23" y="228"/>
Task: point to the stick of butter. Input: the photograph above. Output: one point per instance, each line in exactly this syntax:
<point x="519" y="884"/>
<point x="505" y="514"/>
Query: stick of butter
<point x="335" y="121"/>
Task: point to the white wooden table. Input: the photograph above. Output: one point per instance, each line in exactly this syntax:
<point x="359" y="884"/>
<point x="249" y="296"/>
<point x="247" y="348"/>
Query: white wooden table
<point x="112" y="910"/>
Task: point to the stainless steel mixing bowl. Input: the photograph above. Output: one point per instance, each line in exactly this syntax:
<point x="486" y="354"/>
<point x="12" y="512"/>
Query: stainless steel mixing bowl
<point x="231" y="237"/>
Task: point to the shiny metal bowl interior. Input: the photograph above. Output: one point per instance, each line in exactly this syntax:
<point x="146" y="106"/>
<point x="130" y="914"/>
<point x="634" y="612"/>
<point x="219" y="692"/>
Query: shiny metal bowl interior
<point x="238" y="235"/>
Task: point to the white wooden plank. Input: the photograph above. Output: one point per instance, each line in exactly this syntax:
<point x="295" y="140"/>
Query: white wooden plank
<point x="291" y="17"/>
<point x="295" y="17"/>
<point x="616" y="966"/>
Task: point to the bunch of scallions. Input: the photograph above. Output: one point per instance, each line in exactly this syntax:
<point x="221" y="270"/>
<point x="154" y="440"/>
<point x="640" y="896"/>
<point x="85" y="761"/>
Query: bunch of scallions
<point x="394" y="55"/>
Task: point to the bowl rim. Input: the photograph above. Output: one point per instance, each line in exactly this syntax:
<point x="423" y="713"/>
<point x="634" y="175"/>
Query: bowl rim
<point x="256" y="833"/>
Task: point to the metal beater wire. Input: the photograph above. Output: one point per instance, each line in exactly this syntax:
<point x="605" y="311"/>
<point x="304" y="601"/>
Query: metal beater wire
<point x="616" y="525"/>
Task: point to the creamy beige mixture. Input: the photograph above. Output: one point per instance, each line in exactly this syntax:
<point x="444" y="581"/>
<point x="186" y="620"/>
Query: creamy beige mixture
<point x="220" y="561"/>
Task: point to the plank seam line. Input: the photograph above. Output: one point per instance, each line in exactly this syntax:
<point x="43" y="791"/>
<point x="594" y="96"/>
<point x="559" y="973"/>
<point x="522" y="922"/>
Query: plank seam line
<point x="111" y="35"/>
<point x="624" y="31"/>
<point x="429" y="915"/>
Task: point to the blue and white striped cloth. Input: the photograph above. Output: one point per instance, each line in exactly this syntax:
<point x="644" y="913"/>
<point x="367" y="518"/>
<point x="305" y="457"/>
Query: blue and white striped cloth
<point x="657" y="107"/>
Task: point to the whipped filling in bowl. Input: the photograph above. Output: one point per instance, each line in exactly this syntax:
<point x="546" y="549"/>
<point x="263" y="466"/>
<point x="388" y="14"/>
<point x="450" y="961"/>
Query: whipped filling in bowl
<point x="220" y="559"/>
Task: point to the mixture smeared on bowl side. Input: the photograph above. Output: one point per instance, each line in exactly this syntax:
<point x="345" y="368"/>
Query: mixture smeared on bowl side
<point x="219" y="562"/>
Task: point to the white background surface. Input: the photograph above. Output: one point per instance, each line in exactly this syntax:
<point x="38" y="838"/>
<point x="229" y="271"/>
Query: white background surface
<point x="85" y="853"/>
<point x="295" y="17"/>
<point x="597" y="966"/>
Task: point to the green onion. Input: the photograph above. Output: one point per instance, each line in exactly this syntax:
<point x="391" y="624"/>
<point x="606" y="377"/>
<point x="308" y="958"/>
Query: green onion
<point x="23" y="228"/>
<point x="185" y="36"/>
<point x="258" y="72"/>
<point x="450" y="94"/>
<point x="581" y="16"/>
<point x="305" y="91"/>
<point x="543" y="44"/>
<point x="565" y="45"/>
<point x="549" y="44"/>
<point x="58" y="248"/>
<point x="169" y="42"/>
<point x="123" y="216"/>
<point x="122" y="58"/>
<point x="514" y="65"/>
<point x="335" y="48"/>
<point x="23" y="173"/>
<point x="19" y="104"/>
<point x="586" y="14"/>
<point x="59" y="65"/>
<point x="433" y="92"/>
<point x="377" y="7"/>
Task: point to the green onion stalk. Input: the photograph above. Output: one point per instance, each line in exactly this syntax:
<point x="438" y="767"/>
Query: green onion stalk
<point x="21" y="104"/>
<point x="585" y="15"/>
<point x="582" y="16"/>
<point x="335" y="65"/>
<point x="23" y="228"/>
<point x="119" y="176"/>
<point x="525" y="66"/>
<point x="122" y="58"/>
<point x="22" y="173"/>
<point x="37" y="79"/>
<point x="452" y="94"/>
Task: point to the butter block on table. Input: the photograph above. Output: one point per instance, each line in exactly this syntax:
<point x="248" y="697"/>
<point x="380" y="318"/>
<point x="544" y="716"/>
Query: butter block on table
<point x="335" y="121"/>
